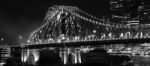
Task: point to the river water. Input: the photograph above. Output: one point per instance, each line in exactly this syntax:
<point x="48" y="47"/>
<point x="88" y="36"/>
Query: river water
<point x="141" y="60"/>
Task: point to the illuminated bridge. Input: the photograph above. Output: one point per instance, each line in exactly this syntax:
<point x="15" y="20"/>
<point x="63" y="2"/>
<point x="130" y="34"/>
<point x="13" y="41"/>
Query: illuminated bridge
<point x="68" y="26"/>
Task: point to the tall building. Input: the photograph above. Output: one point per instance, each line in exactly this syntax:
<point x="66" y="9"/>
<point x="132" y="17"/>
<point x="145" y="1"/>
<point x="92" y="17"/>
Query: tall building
<point x="145" y="19"/>
<point x="126" y="11"/>
<point x="5" y="53"/>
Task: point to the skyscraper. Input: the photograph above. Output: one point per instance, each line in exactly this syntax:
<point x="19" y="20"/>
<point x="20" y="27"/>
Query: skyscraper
<point x="145" y="16"/>
<point x="125" y="11"/>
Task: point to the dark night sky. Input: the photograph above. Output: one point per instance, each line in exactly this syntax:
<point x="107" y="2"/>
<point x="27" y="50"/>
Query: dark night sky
<point x="23" y="16"/>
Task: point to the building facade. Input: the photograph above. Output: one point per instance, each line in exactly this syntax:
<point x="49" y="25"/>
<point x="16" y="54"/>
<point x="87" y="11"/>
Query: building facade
<point x="5" y="53"/>
<point x="126" y="11"/>
<point x="146" y="15"/>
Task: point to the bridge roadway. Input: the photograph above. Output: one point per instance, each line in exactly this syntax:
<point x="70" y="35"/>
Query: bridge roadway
<point x="89" y="43"/>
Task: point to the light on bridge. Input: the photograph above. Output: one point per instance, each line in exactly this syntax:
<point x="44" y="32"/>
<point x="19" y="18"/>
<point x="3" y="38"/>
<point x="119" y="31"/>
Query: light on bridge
<point x="28" y="41"/>
<point x="110" y="50"/>
<point x="94" y="31"/>
<point x="20" y="37"/>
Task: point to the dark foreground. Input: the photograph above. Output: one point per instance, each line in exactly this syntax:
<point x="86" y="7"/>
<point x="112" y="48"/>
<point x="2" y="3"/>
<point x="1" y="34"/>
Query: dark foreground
<point x="96" y="57"/>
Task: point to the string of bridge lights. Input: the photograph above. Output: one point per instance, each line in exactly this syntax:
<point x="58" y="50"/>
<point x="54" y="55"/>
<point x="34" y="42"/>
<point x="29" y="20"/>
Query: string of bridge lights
<point x="89" y="15"/>
<point x="104" y="37"/>
<point x="87" y="18"/>
<point x="95" y="22"/>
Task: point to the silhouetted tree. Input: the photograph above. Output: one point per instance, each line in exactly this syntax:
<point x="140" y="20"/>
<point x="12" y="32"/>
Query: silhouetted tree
<point x="48" y="57"/>
<point x="96" y="56"/>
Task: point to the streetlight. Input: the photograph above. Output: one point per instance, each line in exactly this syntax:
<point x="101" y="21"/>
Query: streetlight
<point x="20" y="37"/>
<point x="28" y="41"/>
<point x="2" y="39"/>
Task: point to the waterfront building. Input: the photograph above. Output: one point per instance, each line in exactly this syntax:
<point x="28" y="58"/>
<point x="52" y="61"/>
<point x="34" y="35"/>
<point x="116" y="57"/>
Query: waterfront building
<point x="126" y="11"/>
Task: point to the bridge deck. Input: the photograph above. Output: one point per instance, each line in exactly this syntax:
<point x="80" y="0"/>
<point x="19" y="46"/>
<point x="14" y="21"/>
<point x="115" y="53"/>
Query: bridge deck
<point x="90" y="43"/>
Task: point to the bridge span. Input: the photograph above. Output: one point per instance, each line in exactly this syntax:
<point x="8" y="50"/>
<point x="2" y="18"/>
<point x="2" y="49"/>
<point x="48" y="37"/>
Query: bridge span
<point x="68" y="27"/>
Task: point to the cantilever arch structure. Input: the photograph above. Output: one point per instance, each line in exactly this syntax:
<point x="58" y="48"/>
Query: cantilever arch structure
<point x="67" y="25"/>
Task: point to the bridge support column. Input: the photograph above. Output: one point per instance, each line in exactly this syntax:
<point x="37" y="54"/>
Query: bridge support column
<point x="70" y="55"/>
<point x="64" y="55"/>
<point x="26" y="55"/>
<point x="79" y="57"/>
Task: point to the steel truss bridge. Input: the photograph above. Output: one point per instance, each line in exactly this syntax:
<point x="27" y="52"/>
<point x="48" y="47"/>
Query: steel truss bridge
<point x="68" y="26"/>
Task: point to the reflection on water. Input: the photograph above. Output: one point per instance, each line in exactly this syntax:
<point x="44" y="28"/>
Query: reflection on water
<point x="141" y="60"/>
<point x="138" y="54"/>
<point x="64" y="54"/>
